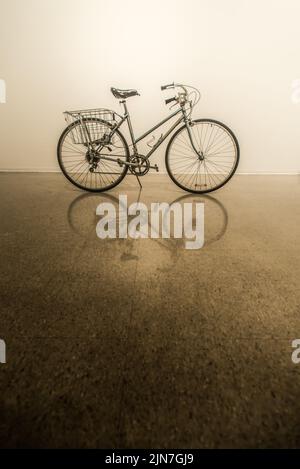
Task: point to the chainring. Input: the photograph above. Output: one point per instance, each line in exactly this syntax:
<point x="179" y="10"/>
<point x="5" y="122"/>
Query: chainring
<point x="143" y="165"/>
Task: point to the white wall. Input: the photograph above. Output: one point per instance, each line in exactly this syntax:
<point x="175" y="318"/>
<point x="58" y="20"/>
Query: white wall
<point x="65" y="54"/>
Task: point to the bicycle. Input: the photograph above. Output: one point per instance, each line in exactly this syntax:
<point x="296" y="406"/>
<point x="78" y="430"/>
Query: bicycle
<point x="201" y="156"/>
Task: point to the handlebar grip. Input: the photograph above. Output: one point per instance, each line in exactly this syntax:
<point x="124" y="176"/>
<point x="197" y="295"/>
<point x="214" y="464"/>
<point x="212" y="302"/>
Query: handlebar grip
<point x="165" y="87"/>
<point x="167" y="101"/>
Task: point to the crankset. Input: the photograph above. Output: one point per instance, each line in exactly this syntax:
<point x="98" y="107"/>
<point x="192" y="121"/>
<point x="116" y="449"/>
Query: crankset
<point x="139" y="165"/>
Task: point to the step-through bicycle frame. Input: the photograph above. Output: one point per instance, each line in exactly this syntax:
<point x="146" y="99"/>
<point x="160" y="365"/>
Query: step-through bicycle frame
<point x="183" y="118"/>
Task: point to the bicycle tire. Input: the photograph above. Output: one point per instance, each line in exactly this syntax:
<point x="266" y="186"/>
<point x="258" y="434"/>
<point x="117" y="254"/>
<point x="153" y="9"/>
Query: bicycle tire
<point x="67" y="131"/>
<point x="217" y="186"/>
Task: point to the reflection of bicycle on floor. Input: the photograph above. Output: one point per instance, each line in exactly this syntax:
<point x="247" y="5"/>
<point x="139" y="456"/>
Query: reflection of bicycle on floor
<point x="202" y="155"/>
<point x="82" y="217"/>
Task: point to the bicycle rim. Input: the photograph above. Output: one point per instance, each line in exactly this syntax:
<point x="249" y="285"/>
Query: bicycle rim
<point x="89" y="171"/>
<point x="218" y="160"/>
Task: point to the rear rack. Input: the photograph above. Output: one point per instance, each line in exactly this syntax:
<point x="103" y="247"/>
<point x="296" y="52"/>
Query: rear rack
<point x="90" y="125"/>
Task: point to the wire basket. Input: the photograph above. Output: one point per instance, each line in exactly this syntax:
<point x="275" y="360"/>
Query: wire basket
<point x="90" y="125"/>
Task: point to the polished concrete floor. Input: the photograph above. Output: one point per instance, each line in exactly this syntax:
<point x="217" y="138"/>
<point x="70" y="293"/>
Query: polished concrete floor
<point x="142" y="343"/>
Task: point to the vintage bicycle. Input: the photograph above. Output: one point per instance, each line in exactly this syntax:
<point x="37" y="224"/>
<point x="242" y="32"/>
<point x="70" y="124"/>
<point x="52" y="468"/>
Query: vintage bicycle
<point x="201" y="156"/>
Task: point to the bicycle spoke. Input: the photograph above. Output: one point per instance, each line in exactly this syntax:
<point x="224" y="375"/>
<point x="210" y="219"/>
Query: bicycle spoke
<point x="82" y="162"/>
<point x="212" y="166"/>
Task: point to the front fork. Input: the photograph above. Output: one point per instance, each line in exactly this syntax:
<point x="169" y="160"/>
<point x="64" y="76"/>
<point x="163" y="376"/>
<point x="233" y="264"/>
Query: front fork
<point x="188" y="124"/>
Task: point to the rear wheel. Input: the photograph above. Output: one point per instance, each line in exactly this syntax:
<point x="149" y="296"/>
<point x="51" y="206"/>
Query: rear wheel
<point x="214" y="164"/>
<point x="84" y="165"/>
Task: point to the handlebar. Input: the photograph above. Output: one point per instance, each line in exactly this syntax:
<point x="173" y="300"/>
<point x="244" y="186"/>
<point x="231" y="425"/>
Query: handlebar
<point x="167" y="101"/>
<point x="184" y="94"/>
<point x="165" y="87"/>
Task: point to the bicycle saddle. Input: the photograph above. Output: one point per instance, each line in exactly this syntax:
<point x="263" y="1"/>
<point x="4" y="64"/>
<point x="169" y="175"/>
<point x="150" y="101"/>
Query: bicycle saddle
<point x="123" y="94"/>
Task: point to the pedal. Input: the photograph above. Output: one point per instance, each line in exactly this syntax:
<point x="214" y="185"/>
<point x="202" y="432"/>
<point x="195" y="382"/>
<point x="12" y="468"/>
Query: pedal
<point x="155" y="167"/>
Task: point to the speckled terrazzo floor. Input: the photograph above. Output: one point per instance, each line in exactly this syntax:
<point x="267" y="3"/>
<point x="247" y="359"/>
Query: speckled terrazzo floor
<point x="142" y="343"/>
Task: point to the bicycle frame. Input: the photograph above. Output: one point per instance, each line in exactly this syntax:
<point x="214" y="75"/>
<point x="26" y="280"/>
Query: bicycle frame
<point x="126" y="117"/>
<point x="184" y="118"/>
<point x="148" y="132"/>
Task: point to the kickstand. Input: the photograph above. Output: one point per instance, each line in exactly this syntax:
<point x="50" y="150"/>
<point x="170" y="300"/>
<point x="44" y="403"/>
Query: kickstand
<point x="138" y="179"/>
<point x="139" y="196"/>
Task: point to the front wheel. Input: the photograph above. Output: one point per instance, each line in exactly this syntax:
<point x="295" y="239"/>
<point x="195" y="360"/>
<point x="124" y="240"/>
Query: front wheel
<point x="214" y="163"/>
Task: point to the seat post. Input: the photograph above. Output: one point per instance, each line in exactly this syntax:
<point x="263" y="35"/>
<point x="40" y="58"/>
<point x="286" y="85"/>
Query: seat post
<point x="123" y="101"/>
<point x="129" y="125"/>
